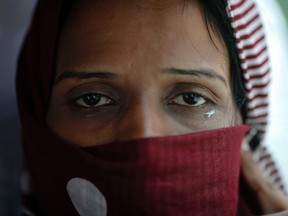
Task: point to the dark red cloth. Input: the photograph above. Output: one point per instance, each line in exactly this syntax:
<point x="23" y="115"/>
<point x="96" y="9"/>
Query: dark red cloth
<point x="195" y="174"/>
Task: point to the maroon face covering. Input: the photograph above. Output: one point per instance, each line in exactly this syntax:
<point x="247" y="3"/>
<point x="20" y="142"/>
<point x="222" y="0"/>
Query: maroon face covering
<point x="194" y="174"/>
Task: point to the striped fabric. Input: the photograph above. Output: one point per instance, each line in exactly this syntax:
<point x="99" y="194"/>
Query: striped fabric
<point x="267" y="164"/>
<point x="251" y="44"/>
<point x="254" y="58"/>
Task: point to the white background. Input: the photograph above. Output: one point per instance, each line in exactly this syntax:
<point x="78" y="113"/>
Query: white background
<point x="277" y="36"/>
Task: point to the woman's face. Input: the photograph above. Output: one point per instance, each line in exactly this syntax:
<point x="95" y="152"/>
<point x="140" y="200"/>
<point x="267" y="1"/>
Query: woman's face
<point x="133" y="69"/>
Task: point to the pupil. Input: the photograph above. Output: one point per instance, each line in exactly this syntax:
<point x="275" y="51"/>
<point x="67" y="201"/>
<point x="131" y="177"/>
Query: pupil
<point x="92" y="99"/>
<point x="190" y="98"/>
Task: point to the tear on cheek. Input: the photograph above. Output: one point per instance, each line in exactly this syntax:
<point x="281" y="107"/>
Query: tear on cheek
<point x="210" y="114"/>
<point x="216" y="118"/>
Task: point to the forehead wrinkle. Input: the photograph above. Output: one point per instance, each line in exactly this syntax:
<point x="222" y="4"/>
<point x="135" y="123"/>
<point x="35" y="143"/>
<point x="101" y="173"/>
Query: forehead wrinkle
<point x="141" y="34"/>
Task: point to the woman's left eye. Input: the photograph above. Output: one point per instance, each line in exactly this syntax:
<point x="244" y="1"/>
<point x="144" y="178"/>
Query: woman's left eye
<point x="189" y="99"/>
<point x="93" y="100"/>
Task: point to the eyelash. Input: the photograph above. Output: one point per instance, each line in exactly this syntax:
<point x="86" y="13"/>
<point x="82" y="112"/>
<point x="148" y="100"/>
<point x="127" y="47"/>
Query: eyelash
<point x="80" y="102"/>
<point x="188" y="96"/>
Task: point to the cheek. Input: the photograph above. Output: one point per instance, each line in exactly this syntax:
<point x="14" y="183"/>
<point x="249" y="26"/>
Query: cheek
<point x="77" y="130"/>
<point x="231" y="115"/>
<point x="73" y="126"/>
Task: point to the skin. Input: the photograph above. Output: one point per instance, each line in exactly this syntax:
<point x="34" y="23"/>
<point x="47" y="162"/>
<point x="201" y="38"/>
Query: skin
<point x="138" y="59"/>
<point x="149" y="52"/>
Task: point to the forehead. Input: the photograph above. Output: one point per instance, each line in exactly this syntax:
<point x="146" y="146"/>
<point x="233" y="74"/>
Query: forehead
<point x="142" y="32"/>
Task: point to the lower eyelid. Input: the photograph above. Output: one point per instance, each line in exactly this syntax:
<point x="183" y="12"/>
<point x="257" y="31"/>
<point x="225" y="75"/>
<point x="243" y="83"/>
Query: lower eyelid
<point x="98" y="112"/>
<point x="188" y="112"/>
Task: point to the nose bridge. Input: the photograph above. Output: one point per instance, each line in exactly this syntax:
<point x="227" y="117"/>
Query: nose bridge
<point x="141" y="120"/>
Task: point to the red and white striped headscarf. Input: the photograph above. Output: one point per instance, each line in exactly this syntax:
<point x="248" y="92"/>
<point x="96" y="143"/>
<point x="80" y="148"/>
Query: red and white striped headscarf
<point x="254" y="58"/>
<point x="250" y="36"/>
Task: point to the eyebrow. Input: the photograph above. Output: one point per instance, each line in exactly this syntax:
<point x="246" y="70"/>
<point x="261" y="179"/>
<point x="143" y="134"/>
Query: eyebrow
<point x="209" y="73"/>
<point x="85" y="75"/>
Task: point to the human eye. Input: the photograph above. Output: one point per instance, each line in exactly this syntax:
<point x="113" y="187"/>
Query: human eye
<point x="192" y="100"/>
<point x="194" y="106"/>
<point x="93" y="100"/>
<point x="189" y="99"/>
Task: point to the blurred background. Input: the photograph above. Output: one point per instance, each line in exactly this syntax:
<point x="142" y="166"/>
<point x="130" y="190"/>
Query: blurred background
<point x="14" y="20"/>
<point x="275" y="14"/>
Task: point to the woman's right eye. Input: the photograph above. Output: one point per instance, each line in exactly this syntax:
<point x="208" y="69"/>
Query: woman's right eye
<point x="93" y="100"/>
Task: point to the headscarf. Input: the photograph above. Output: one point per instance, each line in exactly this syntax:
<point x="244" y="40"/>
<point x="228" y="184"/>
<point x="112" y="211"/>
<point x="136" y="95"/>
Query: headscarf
<point x="253" y="53"/>
<point x="35" y="78"/>
<point x="250" y="37"/>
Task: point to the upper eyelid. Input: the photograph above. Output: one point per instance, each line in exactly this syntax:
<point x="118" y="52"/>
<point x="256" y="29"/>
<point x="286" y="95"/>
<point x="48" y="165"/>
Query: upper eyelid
<point x="91" y="87"/>
<point x="100" y="94"/>
<point x="200" y="90"/>
<point x="75" y="97"/>
<point x="206" y="98"/>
